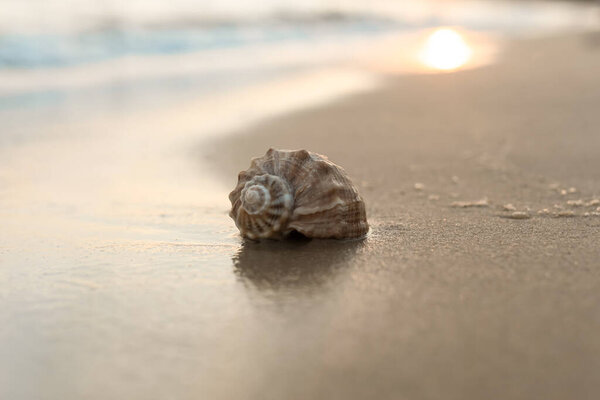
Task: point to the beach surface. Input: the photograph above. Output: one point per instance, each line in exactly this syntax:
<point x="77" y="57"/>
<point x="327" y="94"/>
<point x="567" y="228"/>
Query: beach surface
<point x="123" y="276"/>
<point x="481" y="275"/>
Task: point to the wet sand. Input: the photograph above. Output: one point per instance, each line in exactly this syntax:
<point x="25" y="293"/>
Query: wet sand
<point x="481" y="275"/>
<point x="121" y="275"/>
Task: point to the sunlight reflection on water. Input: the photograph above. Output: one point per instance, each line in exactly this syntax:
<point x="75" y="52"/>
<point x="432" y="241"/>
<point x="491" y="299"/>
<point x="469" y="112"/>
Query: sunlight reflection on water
<point x="441" y="49"/>
<point x="445" y="49"/>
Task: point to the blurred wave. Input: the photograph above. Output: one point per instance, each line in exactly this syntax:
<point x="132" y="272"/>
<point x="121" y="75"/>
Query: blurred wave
<point x="69" y="57"/>
<point x="113" y="41"/>
<point x="43" y="33"/>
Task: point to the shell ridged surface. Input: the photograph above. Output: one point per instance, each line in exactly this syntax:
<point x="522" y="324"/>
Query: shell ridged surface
<point x="296" y="190"/>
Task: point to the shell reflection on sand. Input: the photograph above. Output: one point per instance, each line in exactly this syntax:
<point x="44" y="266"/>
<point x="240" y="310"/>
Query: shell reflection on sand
<point x="445" y="49"/>
<point x="296" y="263"/>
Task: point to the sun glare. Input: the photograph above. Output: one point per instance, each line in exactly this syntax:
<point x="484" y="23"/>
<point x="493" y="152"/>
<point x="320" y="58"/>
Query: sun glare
<point x="445" y="49"/>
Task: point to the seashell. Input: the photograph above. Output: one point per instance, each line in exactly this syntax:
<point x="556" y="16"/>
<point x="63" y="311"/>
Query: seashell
<point x="297" y="190"/>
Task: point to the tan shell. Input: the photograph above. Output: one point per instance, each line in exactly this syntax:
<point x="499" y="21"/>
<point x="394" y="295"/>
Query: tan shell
<point x="296" y="190"/>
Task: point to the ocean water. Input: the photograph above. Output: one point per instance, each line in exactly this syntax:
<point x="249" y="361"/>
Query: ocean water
<point x="44" y="36"/>
<point x="62" y="58"/>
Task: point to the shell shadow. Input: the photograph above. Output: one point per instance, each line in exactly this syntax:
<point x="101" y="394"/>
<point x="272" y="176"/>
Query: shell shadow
<point x="293" y="263"/>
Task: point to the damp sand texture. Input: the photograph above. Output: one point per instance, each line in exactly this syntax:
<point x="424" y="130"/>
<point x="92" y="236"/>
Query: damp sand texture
<point x="156" y="297"/>
<point x="481" y="275"/>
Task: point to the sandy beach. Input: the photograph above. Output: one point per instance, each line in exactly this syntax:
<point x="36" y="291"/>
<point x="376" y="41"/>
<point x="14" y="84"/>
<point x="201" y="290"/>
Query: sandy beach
<point x="123" y="276"/>
<point x="446" y="299"/>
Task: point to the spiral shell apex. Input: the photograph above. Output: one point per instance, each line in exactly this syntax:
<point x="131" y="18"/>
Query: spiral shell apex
<point x="296" y="190"/>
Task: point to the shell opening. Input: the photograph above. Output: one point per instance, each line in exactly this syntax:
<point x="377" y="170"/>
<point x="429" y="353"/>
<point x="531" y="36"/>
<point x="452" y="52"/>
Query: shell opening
<point x="255" y="199"/>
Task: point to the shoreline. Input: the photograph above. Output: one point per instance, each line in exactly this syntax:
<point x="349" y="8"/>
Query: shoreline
<point x="124" y="267"/>
<point x="480" y="270"/>
<point x="321" y="126"/>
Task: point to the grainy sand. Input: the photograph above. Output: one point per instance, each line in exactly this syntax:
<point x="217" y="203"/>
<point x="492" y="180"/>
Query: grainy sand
<point x="122" y="277"/>
<point x="481" y="275"/>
